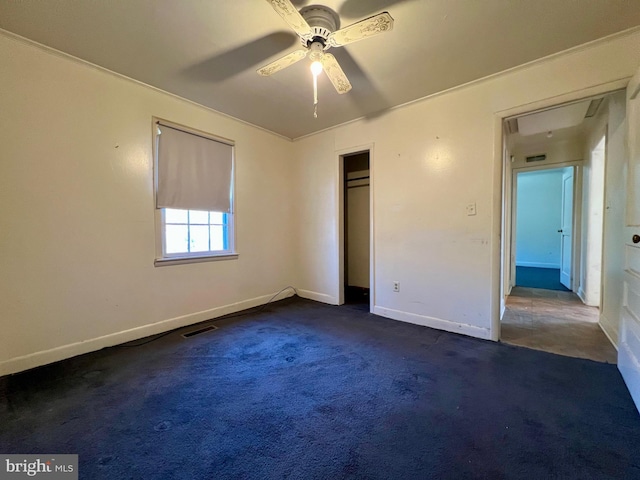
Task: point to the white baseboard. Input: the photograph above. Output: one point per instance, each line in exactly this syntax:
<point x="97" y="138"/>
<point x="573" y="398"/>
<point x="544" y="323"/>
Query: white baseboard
<point x="432" y="322"/>
<point x="45" y="357"/>
<point x="628" y="354"/>
<point x="582" y="295"/>
<point x="608" y="329"/>
<point x="318" y="297"/>
<point x="538" y="265"/>
<point x="588" y="301"/>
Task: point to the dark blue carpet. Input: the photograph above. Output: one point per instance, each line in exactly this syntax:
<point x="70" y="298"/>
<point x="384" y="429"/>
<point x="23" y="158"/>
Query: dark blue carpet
<point x="533" y="277"/>
<point x="309" y="391"/>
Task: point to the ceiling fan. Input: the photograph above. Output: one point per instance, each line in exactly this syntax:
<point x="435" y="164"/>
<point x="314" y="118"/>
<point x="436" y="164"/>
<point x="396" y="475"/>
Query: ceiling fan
<point x="318" y="29"/>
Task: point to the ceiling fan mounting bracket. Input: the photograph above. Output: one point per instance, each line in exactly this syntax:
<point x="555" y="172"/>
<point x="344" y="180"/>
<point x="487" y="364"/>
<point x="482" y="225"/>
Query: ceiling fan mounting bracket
<point x="323" y="21"/>
<point x="319" y="40"/>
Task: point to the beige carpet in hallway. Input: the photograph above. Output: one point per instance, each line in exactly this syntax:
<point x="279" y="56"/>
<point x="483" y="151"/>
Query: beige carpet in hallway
<point x="556" y="322"/>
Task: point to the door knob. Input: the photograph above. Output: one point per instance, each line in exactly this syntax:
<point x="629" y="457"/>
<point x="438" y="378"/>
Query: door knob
<point x="560" y="231"/>
<point x="635" y="238"/>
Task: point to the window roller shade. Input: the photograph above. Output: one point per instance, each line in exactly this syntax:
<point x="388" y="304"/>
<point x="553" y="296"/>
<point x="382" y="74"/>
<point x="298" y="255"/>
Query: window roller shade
<point x="194" y="173"/>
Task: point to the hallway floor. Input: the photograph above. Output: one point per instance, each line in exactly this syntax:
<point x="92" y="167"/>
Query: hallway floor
<point x="556" y="322"/>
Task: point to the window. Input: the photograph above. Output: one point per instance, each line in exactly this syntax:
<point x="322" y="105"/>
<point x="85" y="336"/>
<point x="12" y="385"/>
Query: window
<point x="194" y="232"/>
<point x="194" y="195"/>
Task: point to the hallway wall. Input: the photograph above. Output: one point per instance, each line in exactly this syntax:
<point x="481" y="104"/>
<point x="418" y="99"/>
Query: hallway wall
<point x="539" y="212"/>
<point x="593" y="178"/>
<point x="614" y="214"/>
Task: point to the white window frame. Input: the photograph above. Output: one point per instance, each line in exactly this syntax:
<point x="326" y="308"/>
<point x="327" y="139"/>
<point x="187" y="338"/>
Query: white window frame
<point x="163" y="258"/>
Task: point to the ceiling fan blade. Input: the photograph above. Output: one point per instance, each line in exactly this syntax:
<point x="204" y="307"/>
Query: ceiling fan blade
<point x="249" y="56"/>
<point x="283" y="62"/>
<point x="335" y="73"/>
<point x="290" y="14"/>
<point x="383" y="22"/>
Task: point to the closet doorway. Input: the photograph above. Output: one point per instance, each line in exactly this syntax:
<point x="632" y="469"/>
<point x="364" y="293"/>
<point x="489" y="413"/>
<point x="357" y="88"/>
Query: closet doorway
<point x="357" y="220"/>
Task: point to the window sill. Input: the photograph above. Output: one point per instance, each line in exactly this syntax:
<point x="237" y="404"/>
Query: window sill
<point x="162" y="262"/>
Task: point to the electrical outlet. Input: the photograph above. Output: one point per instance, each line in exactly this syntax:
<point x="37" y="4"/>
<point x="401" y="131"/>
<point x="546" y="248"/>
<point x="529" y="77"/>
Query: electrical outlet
<point x="396" y="286"/>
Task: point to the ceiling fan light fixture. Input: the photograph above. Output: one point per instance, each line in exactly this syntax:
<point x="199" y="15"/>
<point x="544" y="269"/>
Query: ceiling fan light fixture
<point x="316" y="68"/>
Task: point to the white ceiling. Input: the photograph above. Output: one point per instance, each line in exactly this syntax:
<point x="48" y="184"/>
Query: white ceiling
<point x="208" y="50"/>
<point x="566" y="123"/>
<point x="553" y="119"/>
<point x="541" y="140"/>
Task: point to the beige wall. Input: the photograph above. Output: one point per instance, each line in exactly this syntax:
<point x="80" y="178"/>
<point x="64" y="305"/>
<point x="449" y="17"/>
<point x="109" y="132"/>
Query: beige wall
<point x="592" y="200"/>
<point x="430" y="159"/>
<point x="562" y="151"/>
<point x="76" y="209"/>
<point x="77" y="212"/>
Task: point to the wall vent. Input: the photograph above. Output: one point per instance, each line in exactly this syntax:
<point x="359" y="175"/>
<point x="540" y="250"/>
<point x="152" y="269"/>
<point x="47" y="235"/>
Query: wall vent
<point x="536" y="158"/>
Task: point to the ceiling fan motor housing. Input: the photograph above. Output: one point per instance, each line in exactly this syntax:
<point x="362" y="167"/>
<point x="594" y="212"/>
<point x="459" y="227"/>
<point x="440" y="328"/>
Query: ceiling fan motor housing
<point x="323" y="21"/>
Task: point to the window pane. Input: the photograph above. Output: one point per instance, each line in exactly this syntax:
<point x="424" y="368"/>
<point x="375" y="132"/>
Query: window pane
<point x="217" y="237"/>
<point x="175" y="216"/>
<point x="199" y="238"/>
<point x="176" y="239"/>
<point x="217" y="218"/>
<point x="201" y="218"/>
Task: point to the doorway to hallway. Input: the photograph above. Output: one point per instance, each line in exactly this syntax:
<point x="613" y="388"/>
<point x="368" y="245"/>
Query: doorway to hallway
<point x="555" y="242"/>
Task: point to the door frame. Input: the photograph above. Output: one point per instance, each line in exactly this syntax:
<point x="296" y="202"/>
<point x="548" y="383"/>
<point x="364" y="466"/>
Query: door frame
<point x="605" y="135"/>
<point x="341" y="221"/>
<point x="575" y="224"/>
<point x="501" y="169"/>
<point x="629" y="333"/>
<point x="563" y="222"/>
<point x="603" y="132"/>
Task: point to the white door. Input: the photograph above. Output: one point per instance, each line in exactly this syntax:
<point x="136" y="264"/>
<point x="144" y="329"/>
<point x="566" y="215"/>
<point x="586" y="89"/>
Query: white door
<point x="629" y="349"/>
<point x="566" y="233"/>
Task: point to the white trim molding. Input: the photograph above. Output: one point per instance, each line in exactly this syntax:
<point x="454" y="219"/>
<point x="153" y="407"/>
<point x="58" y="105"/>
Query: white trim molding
<point x="63" y="352"/>
<point x="609" y="330"/>
<point x="318" y="297"/>
<point x="555" y="266"/>
<point x="437" y="323"/>
<point x="581" y="294"/>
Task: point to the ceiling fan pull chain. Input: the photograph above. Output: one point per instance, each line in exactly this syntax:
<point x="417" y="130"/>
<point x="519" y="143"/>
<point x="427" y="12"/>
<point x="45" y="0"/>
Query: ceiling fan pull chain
<point x="315" y="96"/>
